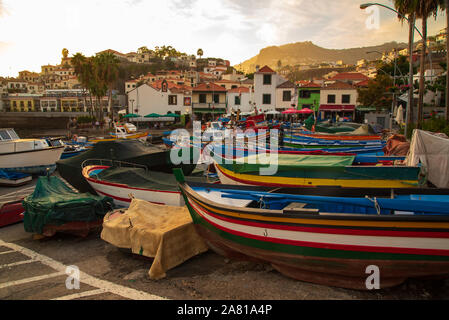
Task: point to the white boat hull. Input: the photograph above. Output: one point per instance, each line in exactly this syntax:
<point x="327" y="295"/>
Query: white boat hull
<point x="122" y="194"/>
<point x="35" y="161"/>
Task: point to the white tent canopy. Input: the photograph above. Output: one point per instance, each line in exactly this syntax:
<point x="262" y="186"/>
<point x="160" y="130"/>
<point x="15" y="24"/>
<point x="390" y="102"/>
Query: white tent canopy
<point x="272" y="112"/>
<point x="432" y="151"/>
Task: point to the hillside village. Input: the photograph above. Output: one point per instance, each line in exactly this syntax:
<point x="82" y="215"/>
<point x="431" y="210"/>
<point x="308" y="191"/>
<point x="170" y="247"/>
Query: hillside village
<point x="204" y="88"/>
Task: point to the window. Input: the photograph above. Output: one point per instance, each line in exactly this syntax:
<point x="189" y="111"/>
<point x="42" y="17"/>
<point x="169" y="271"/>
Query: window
<point x="237" y="100"/>
<point x="202" y="98"/>
<point x="286" y="95"/>
<point x="172" y="100"/>
<point x="234" y="86"/>
<point x="216" y="98"/>
<point x="331" y="98"/>
<point x="305" y="94"/>
<point x="267" y="79"/>
<point x="345" y="98"/>
<point x="266" y="99"/>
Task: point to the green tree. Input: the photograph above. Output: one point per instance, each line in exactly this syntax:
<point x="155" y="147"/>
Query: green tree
<point x="378" y="93"/>
<point x="199" y="52"/>
<point x="407" y="11"/>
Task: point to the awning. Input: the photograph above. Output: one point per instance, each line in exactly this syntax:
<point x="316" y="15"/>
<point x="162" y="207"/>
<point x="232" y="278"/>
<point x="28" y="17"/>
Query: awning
<point x="337" y="107"/>
<point x="207" y="110"/>
<point x="360" y="108"/>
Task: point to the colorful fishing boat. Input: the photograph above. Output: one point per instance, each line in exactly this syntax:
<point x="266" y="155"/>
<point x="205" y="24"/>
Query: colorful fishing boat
<point x="339" y="136"/>
<point x="376" y="156"/>
<point x="133" y="151"/>
<point x="123" y="181"/>
<point x="284" y="170"/>
<point x="331" y="238"/>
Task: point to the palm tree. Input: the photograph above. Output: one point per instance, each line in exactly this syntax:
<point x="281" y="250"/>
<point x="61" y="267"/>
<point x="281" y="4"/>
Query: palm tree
<point x="83" y="73"/>
<point x="200" y="52"/>
<point x="407" y="9"/>
<point x="424" y="9"/>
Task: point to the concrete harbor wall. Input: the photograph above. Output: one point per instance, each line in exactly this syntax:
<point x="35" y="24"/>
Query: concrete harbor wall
<point x="37" y="120"/>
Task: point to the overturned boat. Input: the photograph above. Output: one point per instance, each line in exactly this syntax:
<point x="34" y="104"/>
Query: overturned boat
<point x="133" y="151"/>
<point x="327" y="235"/>
<point x="124" y="181"/>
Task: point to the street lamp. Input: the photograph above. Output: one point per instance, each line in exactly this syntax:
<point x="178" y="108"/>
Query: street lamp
<point x="411" y="24"/>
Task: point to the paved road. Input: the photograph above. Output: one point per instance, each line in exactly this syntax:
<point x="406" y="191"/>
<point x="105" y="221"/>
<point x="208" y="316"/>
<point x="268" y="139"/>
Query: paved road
<point x="37" y="269"/>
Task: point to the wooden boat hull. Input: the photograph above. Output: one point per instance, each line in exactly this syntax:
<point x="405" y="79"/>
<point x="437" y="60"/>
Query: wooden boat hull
<point x="122" y="194"/>
<point x="321" y="178"/>
<point x="32" y="161"/>
<point x="326" y="249"/>
<point x="339" y="137"/>
<point x="140" y="136"/>
<point x="11" y="212"/>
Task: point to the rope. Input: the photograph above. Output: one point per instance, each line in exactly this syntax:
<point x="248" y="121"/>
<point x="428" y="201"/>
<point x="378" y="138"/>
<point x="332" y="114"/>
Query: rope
<point x="376" y="204"/>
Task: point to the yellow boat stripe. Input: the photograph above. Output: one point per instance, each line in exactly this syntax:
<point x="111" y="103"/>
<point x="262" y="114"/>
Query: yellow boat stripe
<point x="289" y="181"/>
<point x="352" y="223"/>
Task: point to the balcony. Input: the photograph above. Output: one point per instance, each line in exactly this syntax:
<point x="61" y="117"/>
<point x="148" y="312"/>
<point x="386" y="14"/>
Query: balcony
<point x="209" y="107"/>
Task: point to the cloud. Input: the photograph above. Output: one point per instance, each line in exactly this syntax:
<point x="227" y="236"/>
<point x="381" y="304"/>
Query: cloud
<point x="232" y="29"/>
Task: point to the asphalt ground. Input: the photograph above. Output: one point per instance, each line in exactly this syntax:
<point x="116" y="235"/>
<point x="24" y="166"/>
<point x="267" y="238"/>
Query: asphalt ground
<point x="32" y="268"/>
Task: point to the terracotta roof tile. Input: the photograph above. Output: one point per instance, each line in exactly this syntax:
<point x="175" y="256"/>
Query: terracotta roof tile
<point x="286" y="84"/>
<point x="339" y="85"/>
<point x="239" y="90"/>
<point x="353" y="76"/>
<point x="206" y="87"/>
<point x="265" y="69"/>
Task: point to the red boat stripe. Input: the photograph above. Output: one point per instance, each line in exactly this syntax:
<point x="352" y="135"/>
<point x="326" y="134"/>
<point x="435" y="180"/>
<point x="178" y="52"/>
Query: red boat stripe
<point x="360" y="232"/>
<point x="327" y="245"/>
<point x="123" y="199"/>
<point x="121" y="185"/>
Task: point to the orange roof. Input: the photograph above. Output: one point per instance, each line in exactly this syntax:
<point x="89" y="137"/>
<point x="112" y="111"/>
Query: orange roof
<point x="338" y="85"/>
<point x="208" y="87"/>
<point x="265" y="69"/>
<point x="311" y="85"/>
<point x="349" y="76"/>
<point x="363" y="83"/>
<point x="239" y="90"/>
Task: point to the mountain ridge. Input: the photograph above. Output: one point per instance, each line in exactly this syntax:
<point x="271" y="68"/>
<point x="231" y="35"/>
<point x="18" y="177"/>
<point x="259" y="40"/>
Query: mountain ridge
<point x="307" y="52"/>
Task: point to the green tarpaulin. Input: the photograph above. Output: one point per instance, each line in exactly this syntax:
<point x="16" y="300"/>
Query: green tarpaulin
<point x="287" y="162"/>
<point x="54" y="203"/>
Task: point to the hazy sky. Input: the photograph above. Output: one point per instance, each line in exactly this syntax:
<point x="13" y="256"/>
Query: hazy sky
<point x="33" y="33"/>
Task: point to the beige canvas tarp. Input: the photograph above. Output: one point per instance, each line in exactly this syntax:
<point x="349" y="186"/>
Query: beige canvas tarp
<point x="165" y="233"/>
<point x="432" y="150"/>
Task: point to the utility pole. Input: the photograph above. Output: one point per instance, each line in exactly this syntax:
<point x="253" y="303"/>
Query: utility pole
<point x="447" y="59"/>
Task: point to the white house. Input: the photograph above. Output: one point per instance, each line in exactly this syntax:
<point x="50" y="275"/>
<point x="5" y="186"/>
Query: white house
<point x="265" y="84"/>
<point x="286" y="95"/>
<point x="147" y="99"/>
<point x="340" y="97"/>
<point x="239" y="99"/>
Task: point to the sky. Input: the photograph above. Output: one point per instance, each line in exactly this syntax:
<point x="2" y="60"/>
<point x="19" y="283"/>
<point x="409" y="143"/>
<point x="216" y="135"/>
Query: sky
<point x="33" y="33"/>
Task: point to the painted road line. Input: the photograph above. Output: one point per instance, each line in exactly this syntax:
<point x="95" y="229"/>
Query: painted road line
<point x="15" y="193"/>
<point x="5" y="252"/>
<point x="81" y="294"/>
<point x="84" y="277"/>
<point x="27" y="280"/>
<point x="16" y="263"/>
